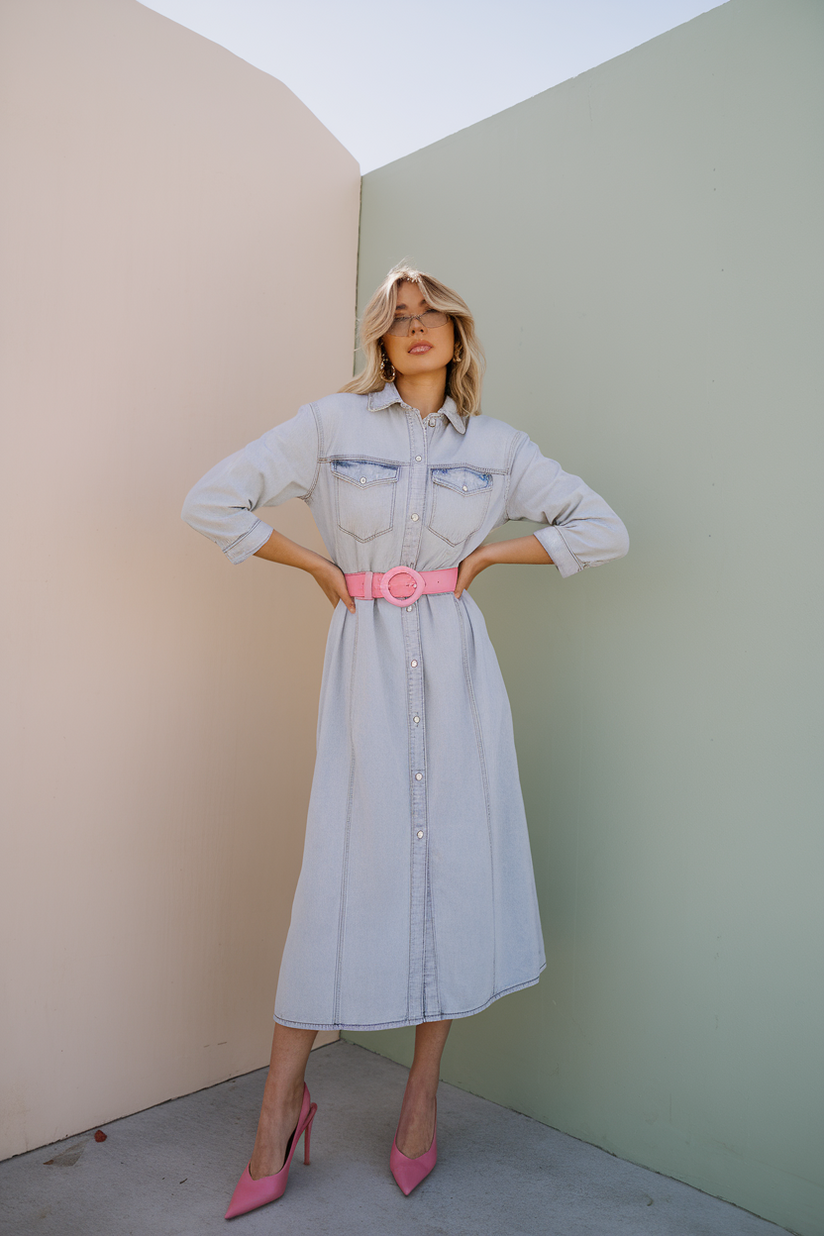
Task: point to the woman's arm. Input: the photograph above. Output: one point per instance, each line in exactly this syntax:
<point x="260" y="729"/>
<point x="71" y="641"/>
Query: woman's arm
<point x="328" y="576"/>
<point x="579" y="529"/>
<point x="520" y="549"/>
<point x="282" y="464"/>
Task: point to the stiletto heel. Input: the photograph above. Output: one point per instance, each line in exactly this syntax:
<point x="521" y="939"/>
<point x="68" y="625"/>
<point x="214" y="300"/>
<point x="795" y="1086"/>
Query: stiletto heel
<point x="409" y="1173"/>
<point x="308" y="1133"/>
<point x="249" y="1193"/>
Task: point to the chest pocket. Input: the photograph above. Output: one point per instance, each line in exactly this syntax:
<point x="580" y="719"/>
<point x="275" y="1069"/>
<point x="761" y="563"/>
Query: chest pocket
<point x="460" y="497"/>
<point x="365" y="496"/>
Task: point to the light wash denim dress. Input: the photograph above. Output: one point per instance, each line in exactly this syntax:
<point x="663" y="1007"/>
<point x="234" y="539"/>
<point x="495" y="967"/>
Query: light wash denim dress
<point x="416" y="899"/>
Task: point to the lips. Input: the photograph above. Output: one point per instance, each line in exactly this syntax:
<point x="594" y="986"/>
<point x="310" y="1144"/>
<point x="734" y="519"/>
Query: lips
<point x="419" y="348"/>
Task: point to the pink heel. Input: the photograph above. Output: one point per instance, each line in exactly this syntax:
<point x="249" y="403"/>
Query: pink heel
<point x="308" y="1133"/>
<point x="409" y="1173"/>
<point x="249" y="1193"/>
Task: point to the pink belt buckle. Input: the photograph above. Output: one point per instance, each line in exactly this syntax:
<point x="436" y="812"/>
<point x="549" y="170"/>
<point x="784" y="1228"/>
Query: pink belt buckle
<point x="386" y="579"/>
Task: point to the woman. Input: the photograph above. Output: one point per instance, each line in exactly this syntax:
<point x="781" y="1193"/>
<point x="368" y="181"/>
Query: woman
<point x="416" y="900"/>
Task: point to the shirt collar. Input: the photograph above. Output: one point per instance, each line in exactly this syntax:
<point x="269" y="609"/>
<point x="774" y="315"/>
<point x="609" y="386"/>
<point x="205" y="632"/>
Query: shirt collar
<point x="377" y="401"/>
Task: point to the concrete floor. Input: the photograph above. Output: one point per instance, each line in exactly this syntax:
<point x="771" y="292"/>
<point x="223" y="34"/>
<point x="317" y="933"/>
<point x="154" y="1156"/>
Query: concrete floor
<point x="170" y="1171"/>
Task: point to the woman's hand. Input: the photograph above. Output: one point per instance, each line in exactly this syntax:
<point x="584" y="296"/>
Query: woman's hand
<point x="333" y="583"/>
<point x="330" y="577"/>
<point x="471" y="566"/>
<point x="518" y="549"/>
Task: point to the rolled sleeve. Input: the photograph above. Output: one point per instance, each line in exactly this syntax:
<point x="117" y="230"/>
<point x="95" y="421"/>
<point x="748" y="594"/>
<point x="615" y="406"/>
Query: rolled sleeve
<point x="581" y="529"/>
<point x="282" y="464"/>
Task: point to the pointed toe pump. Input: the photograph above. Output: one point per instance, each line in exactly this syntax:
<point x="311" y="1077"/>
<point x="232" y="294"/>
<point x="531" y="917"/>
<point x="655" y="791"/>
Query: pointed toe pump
<point x="409" y="1173"/>
<point x="249" y="1193"/>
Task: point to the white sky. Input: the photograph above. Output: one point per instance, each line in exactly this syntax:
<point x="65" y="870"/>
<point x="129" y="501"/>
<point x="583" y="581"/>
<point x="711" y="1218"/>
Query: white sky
<point x="387" y="78"/>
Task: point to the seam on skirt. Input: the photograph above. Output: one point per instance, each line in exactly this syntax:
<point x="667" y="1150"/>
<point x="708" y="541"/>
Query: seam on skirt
<point x="344" y="888"/>
<point x="476" y="721"/>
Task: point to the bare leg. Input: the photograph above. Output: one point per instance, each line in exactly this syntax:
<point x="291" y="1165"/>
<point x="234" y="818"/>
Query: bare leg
<point x="416" y="1127"/>
<point x="282" y="1098"/>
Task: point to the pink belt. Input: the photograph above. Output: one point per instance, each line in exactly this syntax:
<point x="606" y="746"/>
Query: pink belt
<point x="373" y="584"/>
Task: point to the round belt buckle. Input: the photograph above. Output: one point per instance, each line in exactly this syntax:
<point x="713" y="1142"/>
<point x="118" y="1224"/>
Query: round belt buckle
<point x="388" y="576"/>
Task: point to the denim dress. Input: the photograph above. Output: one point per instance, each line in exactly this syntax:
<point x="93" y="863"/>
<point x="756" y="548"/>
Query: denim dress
<point x="416" y="899"/>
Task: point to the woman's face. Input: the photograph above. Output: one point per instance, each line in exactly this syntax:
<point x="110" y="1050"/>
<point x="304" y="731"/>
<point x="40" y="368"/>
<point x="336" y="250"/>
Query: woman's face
<point x="424" y="349"/>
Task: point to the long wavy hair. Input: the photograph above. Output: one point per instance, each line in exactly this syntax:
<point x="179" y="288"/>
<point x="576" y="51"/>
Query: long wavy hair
<point x="464" y="377"/>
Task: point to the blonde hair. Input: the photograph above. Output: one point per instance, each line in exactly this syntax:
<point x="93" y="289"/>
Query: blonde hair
<point x="464" y="377"/>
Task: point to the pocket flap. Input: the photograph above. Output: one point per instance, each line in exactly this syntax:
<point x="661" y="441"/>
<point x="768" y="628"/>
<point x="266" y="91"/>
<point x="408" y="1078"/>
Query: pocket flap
<point x="462" y="480"/>
<point x="365" y="472"/>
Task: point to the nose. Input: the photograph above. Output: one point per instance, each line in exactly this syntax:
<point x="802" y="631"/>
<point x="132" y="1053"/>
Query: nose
<point x="416" y="324"/>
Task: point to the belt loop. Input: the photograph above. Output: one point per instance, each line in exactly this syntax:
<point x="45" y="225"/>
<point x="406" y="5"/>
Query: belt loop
<point x="367" y="585"/>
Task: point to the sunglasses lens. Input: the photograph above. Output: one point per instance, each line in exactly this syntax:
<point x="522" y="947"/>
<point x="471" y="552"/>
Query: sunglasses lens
<point x="430" y="319"/>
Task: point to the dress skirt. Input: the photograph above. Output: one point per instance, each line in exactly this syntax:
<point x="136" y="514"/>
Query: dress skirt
<point x="416" y="900"/>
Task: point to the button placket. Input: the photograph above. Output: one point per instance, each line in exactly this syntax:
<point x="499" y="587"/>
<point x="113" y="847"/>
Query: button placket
<point x="421" y="931"/>
<point x="416" y="491"/>
<point x="429" y="993"/>
<point x="418" y="813"/>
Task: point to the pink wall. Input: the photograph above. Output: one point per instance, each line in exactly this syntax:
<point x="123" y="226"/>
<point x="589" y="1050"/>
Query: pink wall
<point x="181" y="237"/>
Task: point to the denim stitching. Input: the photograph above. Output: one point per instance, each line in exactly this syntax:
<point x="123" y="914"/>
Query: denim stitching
<point x="509" y="462"/>
<point x="364" y="540"/>
<point x="410" y="433"/>
<point x="414" y="651"/>
<point x="319" y="431"/>
<point x="472" y="466"/>
<point x="392" y="1025"/>
<point x="378" y="459"/>
<point x="439" y="479"/>
<point x="428" y="904"/>
<point x="255" y="527"/>
<point x="413" y="647"/>
<point x="464" y="535"/>
<point x="435" y="975"/>
<point x="571" y="552"/>
<point x="429" y="893"/>
<point x="409" y="756"/>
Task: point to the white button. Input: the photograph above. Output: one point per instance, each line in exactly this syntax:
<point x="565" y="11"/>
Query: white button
<point x="420" y="834"/>
<point x="419" y="776"/>
<point x="409" y="609"/>
<point x="432" y="422"/>
<point x="418" y="458"/>
<point x="417" y="720"/>
<point x="465" y="488"/>
<point x="363" y="480"/>
<point x="415" y="518"/>
<point x="414" y="664"/>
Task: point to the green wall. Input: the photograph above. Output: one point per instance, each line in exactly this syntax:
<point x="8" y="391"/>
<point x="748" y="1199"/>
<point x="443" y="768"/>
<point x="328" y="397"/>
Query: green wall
<point x="642" y="247"/>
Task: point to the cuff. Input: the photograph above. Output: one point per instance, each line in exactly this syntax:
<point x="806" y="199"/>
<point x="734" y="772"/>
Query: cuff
<point x="249" y="543"/>
<point x="555" y="545"/>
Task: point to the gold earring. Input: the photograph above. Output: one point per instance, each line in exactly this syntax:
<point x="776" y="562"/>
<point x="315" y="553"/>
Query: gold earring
<point x="457" y="355"/>
<point x="387" y="369"/>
